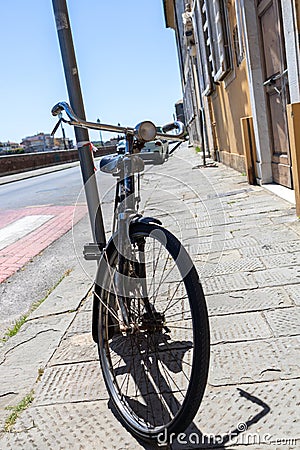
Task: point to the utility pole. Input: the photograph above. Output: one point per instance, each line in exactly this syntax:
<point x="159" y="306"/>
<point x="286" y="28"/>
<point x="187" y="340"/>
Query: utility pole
<point x="76" y="101"/>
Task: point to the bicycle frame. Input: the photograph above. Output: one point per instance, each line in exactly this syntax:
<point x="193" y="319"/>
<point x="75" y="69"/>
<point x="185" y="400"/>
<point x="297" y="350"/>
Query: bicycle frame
<point x="126" y="203"/>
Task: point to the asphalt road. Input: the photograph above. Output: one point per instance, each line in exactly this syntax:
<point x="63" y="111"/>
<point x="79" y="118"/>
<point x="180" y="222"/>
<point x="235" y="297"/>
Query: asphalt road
<point x="31" y="283"/>
<point x="56" y="188"/>
<point x="62" y="188"/>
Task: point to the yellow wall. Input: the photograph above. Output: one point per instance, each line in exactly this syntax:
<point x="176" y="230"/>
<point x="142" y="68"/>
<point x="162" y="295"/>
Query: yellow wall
<point x="230" y="103"/>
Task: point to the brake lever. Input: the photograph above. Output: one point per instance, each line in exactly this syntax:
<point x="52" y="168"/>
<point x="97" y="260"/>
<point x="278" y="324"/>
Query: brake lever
<point x="56" y="127"/>
<point x="61" y="119"/>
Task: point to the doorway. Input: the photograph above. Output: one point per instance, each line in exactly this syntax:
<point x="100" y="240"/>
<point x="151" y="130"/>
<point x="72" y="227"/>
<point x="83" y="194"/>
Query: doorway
<point x="276" y="87"/>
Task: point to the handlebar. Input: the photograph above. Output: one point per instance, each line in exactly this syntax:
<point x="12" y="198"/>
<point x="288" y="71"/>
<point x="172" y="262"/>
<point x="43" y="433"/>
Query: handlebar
<point x="77" y="122"/>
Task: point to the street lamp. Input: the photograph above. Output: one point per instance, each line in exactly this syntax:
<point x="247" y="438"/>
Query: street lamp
<point x="101" y="140"/>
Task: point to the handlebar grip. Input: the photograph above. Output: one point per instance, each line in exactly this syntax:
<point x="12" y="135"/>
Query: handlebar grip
<point x="169" y="127"/>
<point x="57" y="109"/>
<point x="176" y="125"/>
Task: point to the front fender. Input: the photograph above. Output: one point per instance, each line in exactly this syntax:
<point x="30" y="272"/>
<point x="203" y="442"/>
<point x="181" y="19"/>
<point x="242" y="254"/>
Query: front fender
<point x="102" y="266"/>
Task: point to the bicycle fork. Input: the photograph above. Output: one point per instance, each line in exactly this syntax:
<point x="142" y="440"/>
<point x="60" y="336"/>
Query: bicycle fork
<point x="131" y="284"/>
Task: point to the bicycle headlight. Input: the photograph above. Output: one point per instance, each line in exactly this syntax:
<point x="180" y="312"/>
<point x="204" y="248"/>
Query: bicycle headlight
<point x="145" y="131"/>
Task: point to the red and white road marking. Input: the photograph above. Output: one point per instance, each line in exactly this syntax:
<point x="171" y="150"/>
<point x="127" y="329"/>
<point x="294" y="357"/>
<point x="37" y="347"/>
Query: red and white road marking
<point x="24" y="233"/>
<point x="20" y="228"/>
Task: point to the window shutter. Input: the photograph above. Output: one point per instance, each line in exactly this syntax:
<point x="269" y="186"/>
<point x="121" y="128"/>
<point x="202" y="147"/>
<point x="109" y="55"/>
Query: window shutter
<point x="205" y="65"/>
<point x="240" y="31"/>
<point x="219" y="38"/>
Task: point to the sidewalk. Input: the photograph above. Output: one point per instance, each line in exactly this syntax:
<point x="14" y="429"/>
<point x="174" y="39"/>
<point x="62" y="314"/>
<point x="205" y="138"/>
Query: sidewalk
<point x="245" y="243"/>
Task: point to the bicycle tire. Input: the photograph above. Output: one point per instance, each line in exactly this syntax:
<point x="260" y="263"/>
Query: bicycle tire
<point x="132" y="404"/>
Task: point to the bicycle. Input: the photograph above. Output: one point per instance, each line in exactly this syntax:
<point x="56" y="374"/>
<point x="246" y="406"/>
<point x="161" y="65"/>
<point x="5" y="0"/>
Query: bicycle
<point x="150" y="319"/>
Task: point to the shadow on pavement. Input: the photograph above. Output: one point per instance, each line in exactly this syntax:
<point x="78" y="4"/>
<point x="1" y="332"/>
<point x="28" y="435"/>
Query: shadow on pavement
<point x="201" y="441"/>
<point x="219" y="442"/>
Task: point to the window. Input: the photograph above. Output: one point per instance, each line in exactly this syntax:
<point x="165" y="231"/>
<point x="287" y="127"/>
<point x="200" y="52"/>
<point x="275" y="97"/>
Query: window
<point x="205" y="66"/>
<point x="219" y="38"/>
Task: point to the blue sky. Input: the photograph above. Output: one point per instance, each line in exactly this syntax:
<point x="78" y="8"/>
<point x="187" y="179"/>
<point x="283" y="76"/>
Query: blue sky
<point x="126" y="57"/>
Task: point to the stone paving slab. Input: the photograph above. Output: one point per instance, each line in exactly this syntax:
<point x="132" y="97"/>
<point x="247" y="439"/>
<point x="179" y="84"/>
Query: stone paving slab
<point x="276" y="235"/>
<point x="206" y="222"/>
<point x="197" y="246"/>
<point x="294" y="293"/>
<point x="254" y="361"/>
<point x="62" y="299"/>
<point x="278" y="276"/>
<point x="75" y="348"/>
<point x="78" y="426"/>
<point x="281" y="260"/>
<point x="87" y="304"/>
<point x="27" y="352"/>
<point x="228" y="283"/>
<point x="294" y="225"/>
<point x="257" y="209"/>
<point x="81" y="324"/>
<point x="71" y="383"/>
<point x="284" y="322"/>
<point x="239" y="327"/>
<point x="218" y="220"/>
<point x="271" y="248"/>
<point x="238" y="265"/>
<point x="249" y="225"/>
<point x="252" y="412"/>
<point x="249" y="300"/>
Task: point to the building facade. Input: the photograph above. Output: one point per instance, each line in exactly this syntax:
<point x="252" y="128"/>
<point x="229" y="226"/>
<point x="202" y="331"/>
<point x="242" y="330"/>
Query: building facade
<point x="240" y="72"/>
<point x="6" y="147"/>
<point x="42" y="142"/>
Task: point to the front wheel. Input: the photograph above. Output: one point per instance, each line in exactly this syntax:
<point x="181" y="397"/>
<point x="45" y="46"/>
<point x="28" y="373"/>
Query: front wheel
<point x="156" y="372"/>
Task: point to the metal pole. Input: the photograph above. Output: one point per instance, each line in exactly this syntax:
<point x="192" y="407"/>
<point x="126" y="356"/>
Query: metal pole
<point x="82" y="136"/>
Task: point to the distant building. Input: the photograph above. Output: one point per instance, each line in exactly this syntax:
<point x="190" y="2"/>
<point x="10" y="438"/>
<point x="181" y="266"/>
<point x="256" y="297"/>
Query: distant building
<point x="63" y="144"/>
<point x="42" y="142"/>
<point x="6" y="147"/>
